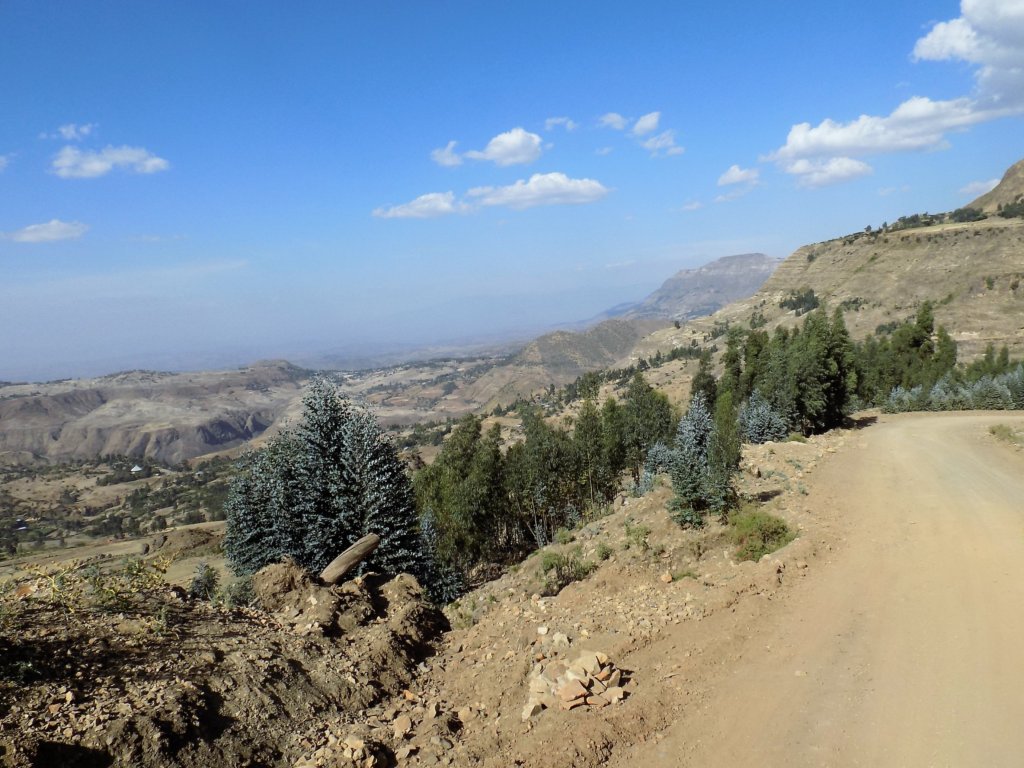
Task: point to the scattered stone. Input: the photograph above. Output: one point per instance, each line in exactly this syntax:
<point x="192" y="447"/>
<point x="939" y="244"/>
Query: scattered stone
<point x="401" y="726"/>
<point x="666" y="577"/>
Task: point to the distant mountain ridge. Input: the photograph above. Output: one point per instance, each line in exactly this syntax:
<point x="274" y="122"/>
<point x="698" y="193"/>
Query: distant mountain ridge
<point x="704" y="290"/>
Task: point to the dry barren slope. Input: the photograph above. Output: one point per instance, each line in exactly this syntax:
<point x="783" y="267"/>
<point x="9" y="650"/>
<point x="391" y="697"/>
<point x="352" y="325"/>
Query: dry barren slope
<point x="164" y="416"/>
<point x="974" y="273"/>
<point x="1009" y="190"/>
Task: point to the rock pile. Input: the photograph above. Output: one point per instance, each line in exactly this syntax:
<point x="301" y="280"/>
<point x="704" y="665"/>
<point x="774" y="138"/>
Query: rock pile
<point x="352" y="751"/>
<point x="591" y="680"/>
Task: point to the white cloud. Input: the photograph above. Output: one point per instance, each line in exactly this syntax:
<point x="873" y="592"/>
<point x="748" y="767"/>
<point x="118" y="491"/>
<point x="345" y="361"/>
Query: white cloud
<point x="989" y="35"/>
<point x="4" y="160"/>
<point x="917" y="123"/>
<point x="820" y="173"/>
<point x="426" y="206"/>
<point x="646" y="124"/>
<point x="51" y="231"/>
<point x="976" y="188"/>
<point x="447" y="157"/>
<point x="73" y="163"/>
<point x="541" y="189"/>
<point x="663" y="142"/>
<point x="737" y="175"/>
<point x="510" y="148"/>
<point x="567" y="123"/>
<point x="71" y="132"/>
<point x="603" y="151"/>
<point x="694" y="205"/>
<point x="613" y="120"/>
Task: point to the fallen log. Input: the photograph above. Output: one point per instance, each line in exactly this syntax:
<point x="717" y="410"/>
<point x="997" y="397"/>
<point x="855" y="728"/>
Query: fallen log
<point x="349" y="559"/>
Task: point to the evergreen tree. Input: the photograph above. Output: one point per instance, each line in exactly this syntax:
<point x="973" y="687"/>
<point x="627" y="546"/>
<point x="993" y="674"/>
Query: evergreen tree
<point x="759" y="422"/>
<point x="613" y="438"/>
<point x="647" y="419"/>
<point x="690" y="472"/>
<point x="704" y="380"/>
<point x="589" y="444"/>
<point x="311" y="493"/>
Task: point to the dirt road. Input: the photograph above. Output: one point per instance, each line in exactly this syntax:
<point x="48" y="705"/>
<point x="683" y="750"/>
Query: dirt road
<point x="907" y="648"/>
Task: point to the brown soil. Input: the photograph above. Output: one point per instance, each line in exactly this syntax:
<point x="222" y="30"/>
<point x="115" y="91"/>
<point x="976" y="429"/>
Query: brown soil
<point x="169" y="682"/>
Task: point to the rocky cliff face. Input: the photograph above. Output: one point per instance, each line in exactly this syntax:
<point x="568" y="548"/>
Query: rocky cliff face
<point x="702" y="291"/>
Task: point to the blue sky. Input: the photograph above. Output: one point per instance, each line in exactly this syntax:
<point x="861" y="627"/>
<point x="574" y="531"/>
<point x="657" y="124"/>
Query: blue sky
<point x="193" y="184"/>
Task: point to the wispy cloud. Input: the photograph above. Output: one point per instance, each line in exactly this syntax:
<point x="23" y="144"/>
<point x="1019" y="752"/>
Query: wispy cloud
<point x="693" y="205"/>
<point x="565" y="122"/>
<point x="428" y="206"/>
<point x="737" y="175"/>
<point x="662" y="143"/>
<point x="988" y="35"/>
<point x="602" y="151"/>
<point x="646" y="124"/>
<point x="976" y="188"/>
<point x="71" y="132"/>
<point x="49" y="232"/>
<point x="613" y="120"/>
<point x="541" y="189"/>
<point x="4" y="161"/>
<point x="73" y="163"/>
<point x="447" y="156"/>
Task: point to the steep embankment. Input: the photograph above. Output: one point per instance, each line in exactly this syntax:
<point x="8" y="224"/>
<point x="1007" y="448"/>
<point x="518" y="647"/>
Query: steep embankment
<point x="162" y="416"/>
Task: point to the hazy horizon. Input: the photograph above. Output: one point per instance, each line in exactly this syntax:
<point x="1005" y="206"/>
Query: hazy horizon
<point x="192" y="182"/>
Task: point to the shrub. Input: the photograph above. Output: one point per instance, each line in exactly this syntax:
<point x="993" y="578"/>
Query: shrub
<point x="563" y="536"/>
<point x="757" y="533"/>
<point x="238" y="593"/>
<point x="204" y="584"/>
<point x="990" y="395"/>
<point x="636" y="536"/>
<point x="562" y="570"/>
<point x="659" y="459"/>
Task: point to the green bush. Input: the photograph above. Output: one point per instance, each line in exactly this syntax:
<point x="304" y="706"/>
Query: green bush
<point x="560" y="571"/>
<point x="757" y="533"/>
<point x="204" y="584"/>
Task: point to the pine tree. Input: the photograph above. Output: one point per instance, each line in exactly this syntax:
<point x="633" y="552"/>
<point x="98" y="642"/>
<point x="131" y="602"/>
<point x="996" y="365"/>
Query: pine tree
<point x="386" y="500"/>
<point x="311" y="493"/>
<point x="759" y="422"/>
